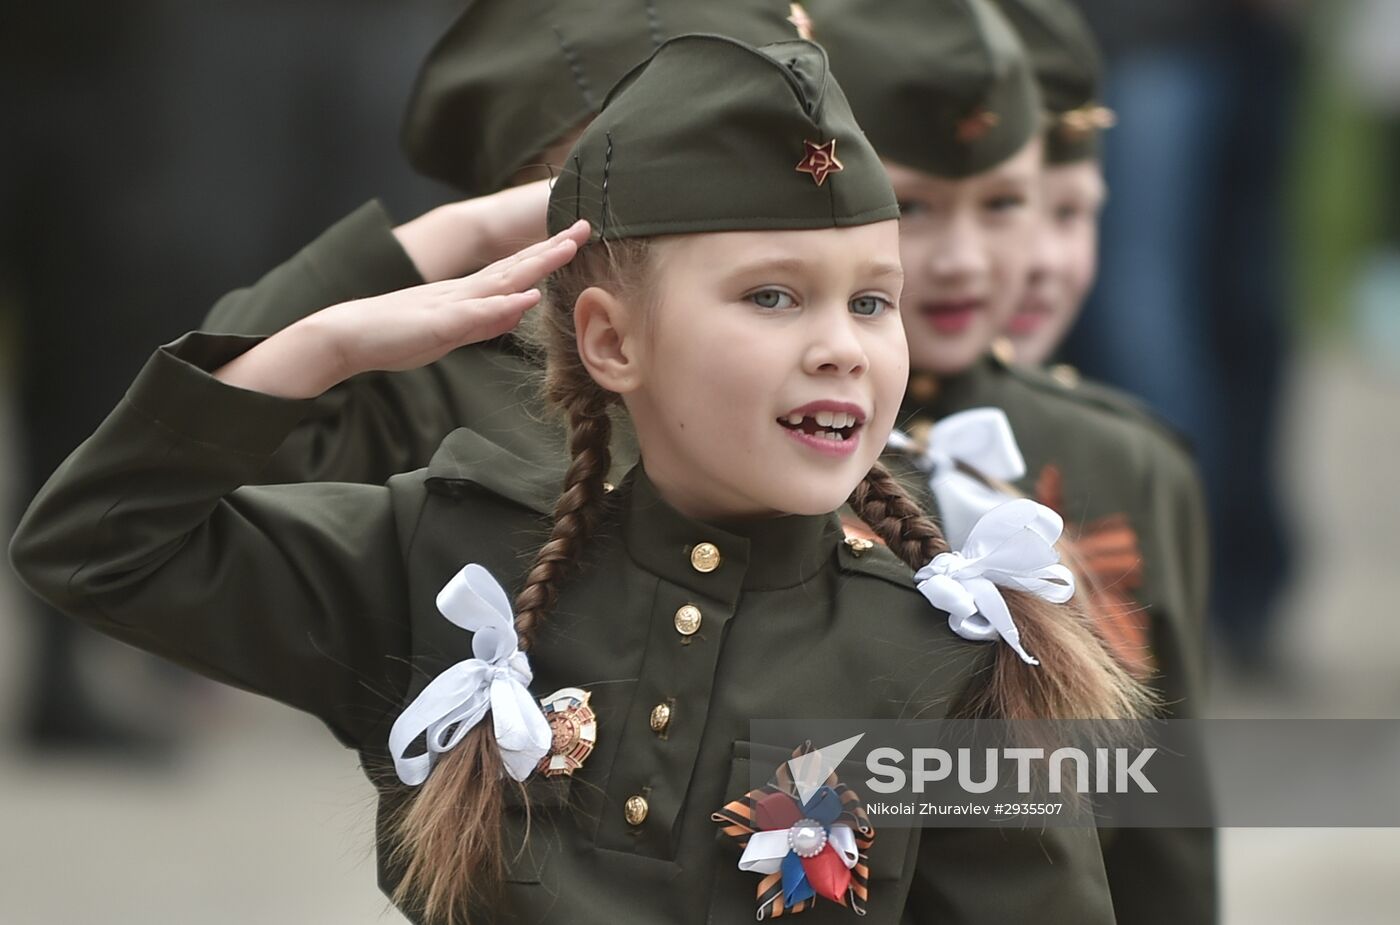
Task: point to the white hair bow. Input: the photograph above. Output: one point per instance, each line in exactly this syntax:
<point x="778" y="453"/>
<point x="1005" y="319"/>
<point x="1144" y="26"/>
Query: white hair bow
<point x="980" y="439"/>
<point x="1012" y="546"/>
<point x="496" y="679"/>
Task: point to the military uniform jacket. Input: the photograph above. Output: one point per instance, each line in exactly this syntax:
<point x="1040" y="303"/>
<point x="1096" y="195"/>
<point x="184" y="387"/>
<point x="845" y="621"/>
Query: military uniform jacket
<point x="1114" y="458"/>
<point x="322" y="596"/>
<point x="1113" y="467"/>
<point x="1104" y="464"/>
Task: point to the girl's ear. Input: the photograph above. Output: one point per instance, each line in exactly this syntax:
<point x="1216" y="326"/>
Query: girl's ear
<point x="607" y="329"/>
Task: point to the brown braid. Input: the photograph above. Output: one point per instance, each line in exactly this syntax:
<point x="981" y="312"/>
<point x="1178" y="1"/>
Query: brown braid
<point x="882" y="503"/>
<point x="449" y="836"/>
<point x="576" y="513"/>
<point x="1076" y="678"/>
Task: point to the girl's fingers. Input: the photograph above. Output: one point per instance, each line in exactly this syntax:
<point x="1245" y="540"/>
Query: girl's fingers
<point x="511" y="259"/>
<point x="483" y="319"/>
<point x="578" y="233"/>
<point x="525" y="273"/>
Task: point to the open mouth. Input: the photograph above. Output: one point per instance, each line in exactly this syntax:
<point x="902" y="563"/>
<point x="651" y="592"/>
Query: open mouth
<point x="1027" y="322"/>
<point x="833" y="426"/>
<point x="952" y="316"/>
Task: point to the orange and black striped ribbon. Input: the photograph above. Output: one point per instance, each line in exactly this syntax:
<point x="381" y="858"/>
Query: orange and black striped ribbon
<point x="736" y="820"/>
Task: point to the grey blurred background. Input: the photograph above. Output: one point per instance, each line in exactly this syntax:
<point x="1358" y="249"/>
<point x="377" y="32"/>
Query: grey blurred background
<point x="157" y="154"/>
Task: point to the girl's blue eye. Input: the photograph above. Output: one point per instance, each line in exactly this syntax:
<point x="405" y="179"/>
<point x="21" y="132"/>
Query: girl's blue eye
<point x="773" y="299"/>
<point x="908" y="207"/>
<point x="870" y="305"/>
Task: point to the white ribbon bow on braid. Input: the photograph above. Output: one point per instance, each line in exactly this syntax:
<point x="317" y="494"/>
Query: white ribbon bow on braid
<point x="980" y="439"/>
<point x="496" y="679"/>
<point x="1012" y="546"/>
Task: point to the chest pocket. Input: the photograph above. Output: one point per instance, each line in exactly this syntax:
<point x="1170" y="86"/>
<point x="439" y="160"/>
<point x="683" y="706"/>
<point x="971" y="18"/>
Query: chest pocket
<point x="526" y="837"/>
<point x="891" y="856"/>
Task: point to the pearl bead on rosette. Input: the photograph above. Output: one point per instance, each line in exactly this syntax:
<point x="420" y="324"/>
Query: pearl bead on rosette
<point x="807" y="838"/>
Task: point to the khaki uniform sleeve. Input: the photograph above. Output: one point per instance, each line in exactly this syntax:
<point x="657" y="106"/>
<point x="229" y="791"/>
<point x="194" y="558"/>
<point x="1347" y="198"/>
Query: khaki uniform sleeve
<point x="377" y="424"/>
<point x="1164" y="874"/>
<point x="1178" y="498"/>
<point x="355" y="258"/>
<point x="295" y="592"/>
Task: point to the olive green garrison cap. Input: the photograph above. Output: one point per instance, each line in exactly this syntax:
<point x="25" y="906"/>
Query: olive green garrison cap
<point x="1069" y="68"/>
<point x="511" y="78"/>
<point x="943" y="86"/>
<point x="711" y="134"/>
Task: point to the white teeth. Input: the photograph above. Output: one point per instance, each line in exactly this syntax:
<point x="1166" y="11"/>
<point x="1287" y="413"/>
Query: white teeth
<point x="827" y="422"/>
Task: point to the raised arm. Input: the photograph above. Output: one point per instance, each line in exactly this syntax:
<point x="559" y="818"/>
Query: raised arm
<point x="294" y="591"/>
<point x="365" y="255"/>
<point x="377" y="424"/>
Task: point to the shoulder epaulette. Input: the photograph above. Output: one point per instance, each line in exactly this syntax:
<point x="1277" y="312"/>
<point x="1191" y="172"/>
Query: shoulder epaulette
<point x="465" y="456"/>
<point x="864" y="557"/>
<point x="1065" y="381"/>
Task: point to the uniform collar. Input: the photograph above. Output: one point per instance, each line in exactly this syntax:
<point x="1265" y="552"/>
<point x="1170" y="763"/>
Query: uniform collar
<point x="951" y="393"/>
<point x="757" y="555"/>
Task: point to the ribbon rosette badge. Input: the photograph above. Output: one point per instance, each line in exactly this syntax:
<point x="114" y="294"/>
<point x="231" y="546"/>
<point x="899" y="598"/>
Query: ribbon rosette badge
<point x="805" y="832"/>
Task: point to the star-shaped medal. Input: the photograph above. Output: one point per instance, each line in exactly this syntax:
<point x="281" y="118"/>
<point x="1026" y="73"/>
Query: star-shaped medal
<point x="820" y="160"/>
<point x="574" y="728"/>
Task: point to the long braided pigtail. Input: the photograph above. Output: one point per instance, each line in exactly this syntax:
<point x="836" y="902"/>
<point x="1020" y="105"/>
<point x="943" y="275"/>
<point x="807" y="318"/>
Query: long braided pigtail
<point x="1110" y="611"/>
<point x="449" y="836"/>
<point x="1076" y="678"/>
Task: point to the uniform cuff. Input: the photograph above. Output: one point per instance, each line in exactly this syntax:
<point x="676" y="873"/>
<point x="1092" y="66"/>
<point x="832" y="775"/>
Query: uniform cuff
<point x="176" y="389"/>
<point x="359" y="256"/>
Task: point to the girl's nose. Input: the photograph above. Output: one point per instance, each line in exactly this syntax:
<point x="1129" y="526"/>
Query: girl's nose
<point x="836" y="348"/>
<point x="960" y="254"/>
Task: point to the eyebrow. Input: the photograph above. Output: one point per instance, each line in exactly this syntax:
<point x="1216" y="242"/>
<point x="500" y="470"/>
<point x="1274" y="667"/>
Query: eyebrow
<point x="879" y="268"/>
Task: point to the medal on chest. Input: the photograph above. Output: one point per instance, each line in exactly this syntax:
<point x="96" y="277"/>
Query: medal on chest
<point x="574" y="730"/>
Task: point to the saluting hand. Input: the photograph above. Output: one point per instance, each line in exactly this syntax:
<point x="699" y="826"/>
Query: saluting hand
<point x="455" y="239"/>
<point x="404" y="329"/>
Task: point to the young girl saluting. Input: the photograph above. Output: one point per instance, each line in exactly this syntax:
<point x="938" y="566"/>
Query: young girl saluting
<point x="740" y="296"/>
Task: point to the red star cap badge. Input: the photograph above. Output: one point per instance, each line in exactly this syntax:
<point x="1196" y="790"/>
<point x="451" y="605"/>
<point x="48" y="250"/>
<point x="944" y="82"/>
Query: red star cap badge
<point x="976" y="126"/>
<point x="820" y="160"/>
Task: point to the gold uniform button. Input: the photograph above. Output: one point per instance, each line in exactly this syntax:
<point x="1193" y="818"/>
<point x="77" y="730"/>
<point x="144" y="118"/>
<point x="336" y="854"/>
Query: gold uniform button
<point x="1004" y="350"/>
<point x="660" y="717"/>
<point x="688" y="620"/>
<point x="1065" y="375"/>
<point x="923" y="387"/>
<point x="859" y="545"/>
<point x="635" y="810"/>
<point x="705" y="557"/>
